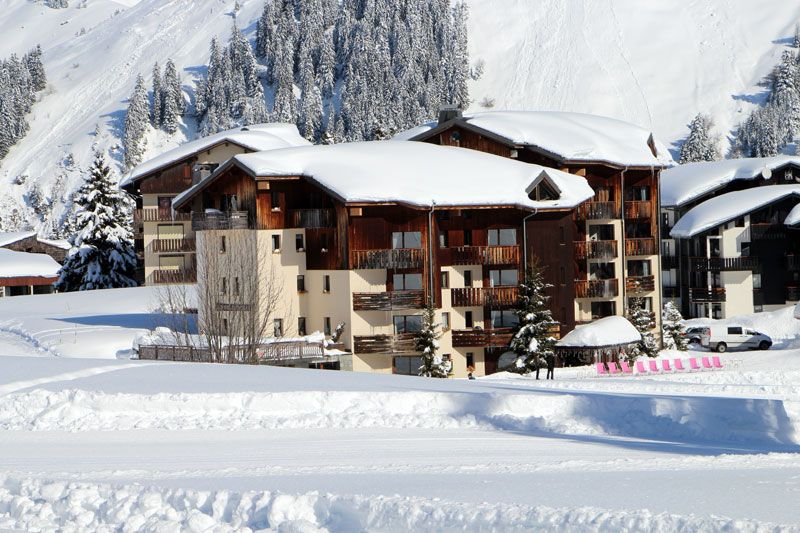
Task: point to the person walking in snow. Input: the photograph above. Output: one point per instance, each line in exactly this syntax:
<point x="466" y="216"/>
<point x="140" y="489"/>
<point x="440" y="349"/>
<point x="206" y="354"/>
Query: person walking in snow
<point x="537" y="364"/>
<point x="551" y="364"/>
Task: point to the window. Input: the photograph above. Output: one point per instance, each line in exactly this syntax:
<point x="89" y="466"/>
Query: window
<point x="637" y="194"/>
<point x="223" y="245"/>
<point x="224" y="326"/>
<point x="407" y="366"/>
<point x="745" y="249"/>
<point x="756" y="280"/>
<point x="467" y="237"/>
<point x="504" y="319"/>
<point x="301" y="283"/>
<point x="468" y="319"/>
<point x="445" y="280"/>
<point x="276" y="243"/>
<point x="442" y="238"/>
<point x="665" y="220"/>
<point x="603" y="309"/>
<point x="502" y="278"/>
<point x="601" y="271"/>
<point x="301" y="326"/>
<point x="406" y="239"/>
<point x="562" y="275"/>
<point x="235" y="285"/>
<point x="326" y="325"/>
<point x="298" y="242"/>
<point x="737" y="330"/>
<point x="326" y="283"/>
<point x="445" y="321"/>
<point x="165" y="203"/>
<point x="228" y="202"/>
<point x="468" y="278"/>
<point x="277" y="327"/>
<point x="601" y="232"/>
<point x="470" y="360"/>
<point x="647" y="303"/>
<point x="325" y="244"/>
<point x="223" y="286"/>
<point x="407" y="282"/>
<point x="639" y="267"/>
<point x="274" y="201"/>
<point x="502" y="237"/>
<point x="407" y="323"/>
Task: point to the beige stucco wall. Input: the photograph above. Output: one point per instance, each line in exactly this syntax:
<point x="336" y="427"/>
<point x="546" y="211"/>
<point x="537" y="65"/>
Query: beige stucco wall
<point x="738" y="293"/>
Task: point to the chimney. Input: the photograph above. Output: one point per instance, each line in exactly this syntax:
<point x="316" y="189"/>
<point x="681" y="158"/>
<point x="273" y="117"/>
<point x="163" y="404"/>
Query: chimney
<point x="448" y="112"/>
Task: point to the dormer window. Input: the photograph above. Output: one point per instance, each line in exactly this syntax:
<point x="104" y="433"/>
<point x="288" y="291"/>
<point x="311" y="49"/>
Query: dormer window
<point x="543" y="189"/>
<point x="455" y="136"/>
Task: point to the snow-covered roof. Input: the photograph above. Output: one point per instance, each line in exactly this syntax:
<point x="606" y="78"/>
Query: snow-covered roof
<point x="684" y="183"/>
<point x="726" y="207"/>
<point x="14" y="236"/>
<point x="570" y="136"/>
<point x="419" y="174"/>
<point x="608" y="331"/>
<point x="22" y="264"/>
<point x="58" y="243"/>
<point x="255" y="137"/>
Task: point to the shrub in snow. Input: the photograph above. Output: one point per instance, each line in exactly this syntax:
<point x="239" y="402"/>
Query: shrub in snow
<point x="532" y="339"/>
<point x="102" y="255"/>
<point x="642" y="320"/>
<point x="673" y="328"/>
<point x="426" y="342"/>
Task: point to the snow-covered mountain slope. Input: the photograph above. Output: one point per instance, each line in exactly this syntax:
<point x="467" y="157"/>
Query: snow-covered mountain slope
<point x="655" y="64"/>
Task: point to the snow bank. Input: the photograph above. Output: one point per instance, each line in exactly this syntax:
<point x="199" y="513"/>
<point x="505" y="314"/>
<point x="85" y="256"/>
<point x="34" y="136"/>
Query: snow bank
<point x="608" y="331"/>
<point x="684" y="183"/>
<point x="22" y="264"/>
<point x="36" y="505"/>
<point x="415" y="173"/>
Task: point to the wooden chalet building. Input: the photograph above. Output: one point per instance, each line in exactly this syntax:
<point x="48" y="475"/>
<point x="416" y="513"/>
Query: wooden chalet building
<point x="165" y="241"/>
<point x="614" y="253"/>
<point x="25" y="273"/>
<point x="731" y="244"/>
<point x="365" y="233"/>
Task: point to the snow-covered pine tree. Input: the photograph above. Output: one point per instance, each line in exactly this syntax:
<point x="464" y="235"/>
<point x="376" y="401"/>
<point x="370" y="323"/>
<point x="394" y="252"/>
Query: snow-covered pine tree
<point x="700" y="145"/>
<point x="136" y="119"/>
<point x="58" y="4"/>
<point x="642" y="320"/>
<point x="532" y="337"/>
<point x="158" y="97"/>
<point x="426" y="343"/>
<point x="672" y="328"/>
<point x="101" y="256"/>
<point x="460" y="72"/>
<point x="33" y="60"/>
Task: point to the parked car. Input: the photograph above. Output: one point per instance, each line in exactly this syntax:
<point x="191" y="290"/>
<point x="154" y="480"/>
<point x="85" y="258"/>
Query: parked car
<point x="720" y="337"/>
<point x="692" y="335"/>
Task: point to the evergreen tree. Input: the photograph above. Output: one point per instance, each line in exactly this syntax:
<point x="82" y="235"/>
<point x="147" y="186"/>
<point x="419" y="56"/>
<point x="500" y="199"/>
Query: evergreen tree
<point x="642" y="320"/>
<point x="673" y="329"/>
<point x="158" y="96"/>
<point x="172" y="99"/>
<point x="101" y="254"/>
<point x="699" y="145"/>
<point x="532" y="338"/>
<point x="426" y="343"/>
<point x="136" y="120"/>
<point x="33" y="60"/>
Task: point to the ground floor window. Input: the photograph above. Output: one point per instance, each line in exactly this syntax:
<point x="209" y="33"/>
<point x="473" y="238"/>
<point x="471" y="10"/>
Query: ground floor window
<point x="407" y="366"/>
<point x="603" y="309"/>
<point x="504" y="319"/>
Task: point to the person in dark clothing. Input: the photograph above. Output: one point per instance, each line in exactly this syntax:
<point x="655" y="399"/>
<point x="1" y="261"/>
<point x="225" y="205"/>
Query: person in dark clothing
<point x="551" y="364"/>
<point x="536" y="365"/>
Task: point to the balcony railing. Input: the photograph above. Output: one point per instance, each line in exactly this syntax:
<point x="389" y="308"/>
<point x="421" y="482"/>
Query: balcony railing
<point x="638" y="209"/>
<point x="596" y="288"/>
<point x="595" y="249"/>
<point x="160" y="246"/>
<point x="492" y="297"/>
<point x="767" y="232"/>
<point x="388" y="301"/>
<point x="218" y="220"/>
<point x="596" y="210"/>
<point x="401" y="344"/>
<point x="714" y="294"/>
<point x="486" y="338"/>
<point x="311" y="218"/>
<point x="640" y="246"/>
<point x="394" y="258"/>
<point x="723" y="263"/>
<point x="158" y="214"/>
<point x="637" y="284"/>
<point x="485" y="255"/>
<point x="164" y="276"/>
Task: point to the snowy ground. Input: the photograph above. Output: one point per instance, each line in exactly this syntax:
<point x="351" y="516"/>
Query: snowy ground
<point x="87" y="444"/>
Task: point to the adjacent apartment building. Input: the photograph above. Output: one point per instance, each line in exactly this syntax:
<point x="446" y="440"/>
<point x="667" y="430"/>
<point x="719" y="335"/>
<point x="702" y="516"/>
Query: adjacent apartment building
<point x="730" y="242"/>
<point x="164" y="240"/>
<point x="614" y="235"/>
<point x="366" y="233"/>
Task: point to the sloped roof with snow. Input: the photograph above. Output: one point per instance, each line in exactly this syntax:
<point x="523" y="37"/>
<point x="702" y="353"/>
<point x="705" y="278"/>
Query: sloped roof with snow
<point x="793" y="218"/>
<point x="685" y="183"/>
<point x="418" y="174"/>
<point x="255" y="137"/>
<point x="22" y="264"/>
<point x="726" y="207"/>
<point x="14" y="236"/>
<point x="608" y="331"/>
<point x="58" y="243"/>
<point x="569" y="136"/>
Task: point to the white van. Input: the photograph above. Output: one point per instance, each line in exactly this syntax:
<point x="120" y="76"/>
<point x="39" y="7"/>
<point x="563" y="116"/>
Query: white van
<point x="720" y="337"/>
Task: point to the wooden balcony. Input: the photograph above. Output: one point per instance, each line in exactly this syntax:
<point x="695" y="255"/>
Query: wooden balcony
<point x="168" y="246"/>
<point x="157" y="214"/>
<point x="402" y="344"/>
<point x="767" y="232"/>
<point x="596" y="210"/>
<point x="486" y="338"/>
<point x="640" y="284"/>
<point x="704" y="294"/>
<point x="219" y="220"/>
<point x="596" y="288"/>
<point x="485" y="255"/>
<point x="311" y="218"/>
<point x="595" y="249"/>
<point x="388" y="301"/>
<point x="492" y="297"/>
<point x="164" y="276"/>
<point x="638" y="209"/>
<point x="394" y="258"/>
<point x="640" y="246"/>
<point x="719" y="264"/>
